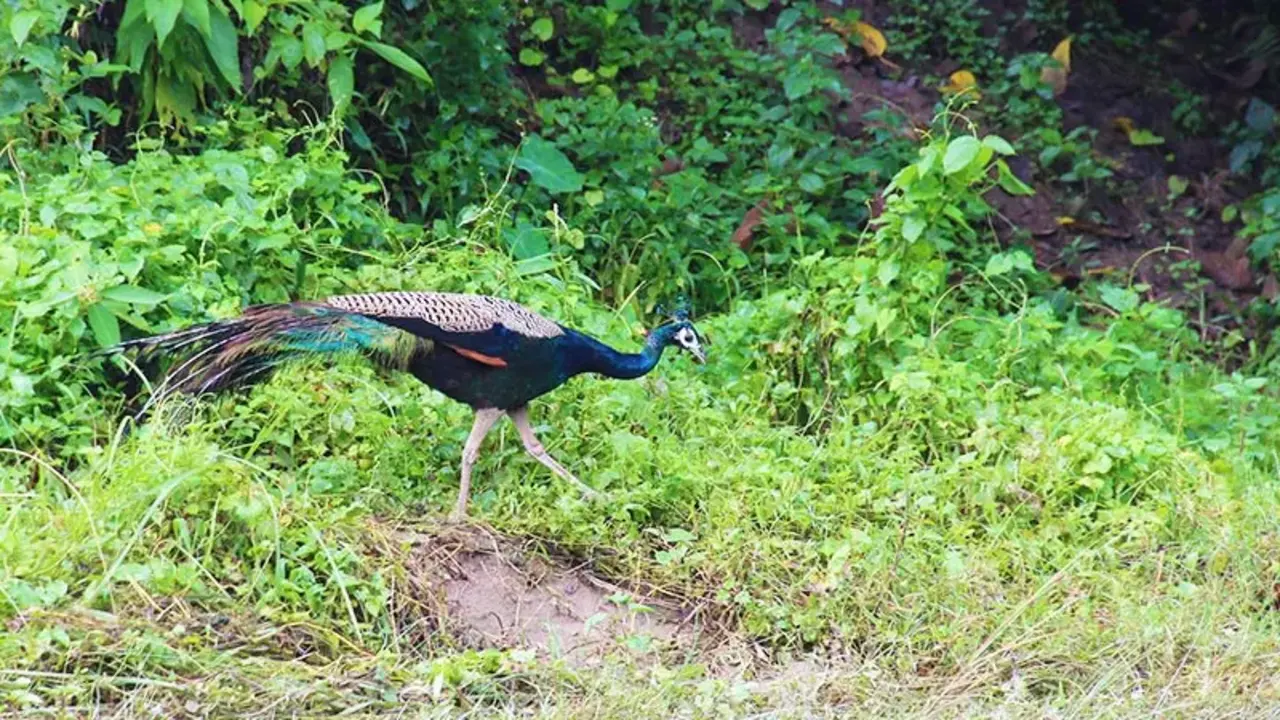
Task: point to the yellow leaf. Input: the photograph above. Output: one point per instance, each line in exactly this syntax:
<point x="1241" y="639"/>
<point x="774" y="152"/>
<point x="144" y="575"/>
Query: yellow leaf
<point x="1066" y="220"/>
<point x="873" y="41"/>
<point x="962" y="81"/>
<point x="1056" y="77"/>
<point x="1062" y="53"/>
<point x="1123" y="124"/>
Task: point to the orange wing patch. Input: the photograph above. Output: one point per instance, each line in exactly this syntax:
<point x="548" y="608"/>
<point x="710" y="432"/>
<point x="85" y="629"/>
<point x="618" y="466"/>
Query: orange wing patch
<point x="478" y="357"/>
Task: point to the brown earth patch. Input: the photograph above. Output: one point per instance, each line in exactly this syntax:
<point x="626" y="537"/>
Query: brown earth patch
<point x="490" y="591"/>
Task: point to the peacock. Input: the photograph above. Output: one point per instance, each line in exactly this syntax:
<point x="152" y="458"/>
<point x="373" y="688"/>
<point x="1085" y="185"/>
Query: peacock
<point x="488" y="352"/>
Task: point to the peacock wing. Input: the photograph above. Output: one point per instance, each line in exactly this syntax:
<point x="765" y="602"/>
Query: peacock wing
<point x="485" y="329"/>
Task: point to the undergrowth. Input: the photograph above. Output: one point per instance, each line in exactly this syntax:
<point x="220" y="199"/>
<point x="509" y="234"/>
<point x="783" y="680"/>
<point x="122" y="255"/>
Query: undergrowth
<point x="917" y="478"/>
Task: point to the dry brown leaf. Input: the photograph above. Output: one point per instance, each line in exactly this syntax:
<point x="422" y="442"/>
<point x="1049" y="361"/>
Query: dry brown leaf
<point x="1123" y="124"/>
<point x="747" y="228"/>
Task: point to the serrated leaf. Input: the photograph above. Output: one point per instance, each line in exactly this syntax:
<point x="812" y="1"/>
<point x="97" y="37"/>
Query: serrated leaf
<point x="21" y="23"/>
<point x="960" y="152"/>
<point x="341" y="82"/>
<point x="313" y="47"/>
<point x="163" y="14"/>
<point x="106" y="329"/>
<point x="133" y="295"/>
<point x="400" y="59"/>
<point x="530" y="57"/>
<point x="543" y="28"/>
<point x="367" y="19"/>
<point x="547" y="166"/>
<point x="999" y="144"/>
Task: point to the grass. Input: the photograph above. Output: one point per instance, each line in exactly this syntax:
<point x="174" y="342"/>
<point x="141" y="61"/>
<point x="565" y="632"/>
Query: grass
<point x="985" y="539"/>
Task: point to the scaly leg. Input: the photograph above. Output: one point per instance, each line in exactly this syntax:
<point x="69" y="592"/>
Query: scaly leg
<point x="520" y="416"/>
<point x="484" y="422"/>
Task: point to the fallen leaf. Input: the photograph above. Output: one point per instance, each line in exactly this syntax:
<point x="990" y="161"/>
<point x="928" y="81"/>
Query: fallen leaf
<point x="1123" y="124"/>
<point x="1062" y="53"/>
<point x="747" y="228"/>
<point x="1056" y="77"/>
<point x="962" y="81"/>
<point x="873" y="41"/>
<point x="1140" y="137"/>
<point x="1100" y="230"/>
<point x="1066" y="220"/>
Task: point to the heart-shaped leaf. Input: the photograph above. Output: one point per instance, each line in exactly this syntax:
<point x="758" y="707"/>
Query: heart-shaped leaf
<point x="547" y="166"/>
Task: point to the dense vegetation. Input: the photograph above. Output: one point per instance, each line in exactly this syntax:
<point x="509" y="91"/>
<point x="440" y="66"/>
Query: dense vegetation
<point x="937" y="464"/>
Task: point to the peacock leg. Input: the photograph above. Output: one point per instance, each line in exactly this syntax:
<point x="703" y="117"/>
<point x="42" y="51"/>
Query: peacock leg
<point x="484" y="422"/>
<point x="520" y="416"/>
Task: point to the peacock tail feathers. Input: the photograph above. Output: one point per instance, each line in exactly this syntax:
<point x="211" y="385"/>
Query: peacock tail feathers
<point x="247" y="349"/>
<point x="451" y="312"/>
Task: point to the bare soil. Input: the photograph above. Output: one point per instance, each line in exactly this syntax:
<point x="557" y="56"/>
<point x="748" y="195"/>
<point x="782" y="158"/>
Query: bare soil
<point x="489" y="591"/>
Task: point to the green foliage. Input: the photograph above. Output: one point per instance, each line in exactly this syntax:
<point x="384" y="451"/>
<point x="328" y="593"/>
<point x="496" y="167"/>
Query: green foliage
<point x="911" y="453"/>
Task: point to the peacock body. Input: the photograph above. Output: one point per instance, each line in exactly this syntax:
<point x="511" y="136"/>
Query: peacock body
<point x="490" y="353"/>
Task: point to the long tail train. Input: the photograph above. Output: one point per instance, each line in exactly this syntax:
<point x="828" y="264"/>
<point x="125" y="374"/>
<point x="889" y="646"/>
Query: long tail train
<point x="247" y="349"/>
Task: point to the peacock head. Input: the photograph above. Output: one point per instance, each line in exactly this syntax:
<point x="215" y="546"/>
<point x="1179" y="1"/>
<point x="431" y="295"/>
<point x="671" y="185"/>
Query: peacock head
<point x="679" y="331"/>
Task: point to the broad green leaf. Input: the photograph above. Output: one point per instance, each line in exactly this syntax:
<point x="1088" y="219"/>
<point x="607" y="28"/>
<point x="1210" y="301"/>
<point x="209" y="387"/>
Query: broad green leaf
<point x="1141" y="137"/>
<point x="1120" y="299"/>
<point x="8" y="262"/>
<point x="960" y="152"/>
<point x="397" y="57"/>
<point x="196" y="12"/>
<point x="163" y="14"/>
<point x="527" y="241"/>
<point x="21" y="23"/>
<point x="253" y="13"/>
<point x="811" y="183"/>
<point x="341" y="83"/>
<point x="223" y="45"/>
<point x="999" y="144"/>
<point x="547" y="166"/>
<point x="1010" y="182"/>
<point x="543" y="28"/>
<point x="367" y="19"/>
<point x="106" y="329"/>
<point x="290" y="50"/>
<point x="999" y="264"/>
<point x="530" y="57"/>
<point x="582" y="76"/>
<point x="912" y="227"/>
<point x="313" y="43"/>
<point x="1259" y="116"/>
<point x="133" y="295"/>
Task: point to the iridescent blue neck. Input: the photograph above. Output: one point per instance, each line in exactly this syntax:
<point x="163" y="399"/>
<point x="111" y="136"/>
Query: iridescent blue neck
<point x="596" y="357"/>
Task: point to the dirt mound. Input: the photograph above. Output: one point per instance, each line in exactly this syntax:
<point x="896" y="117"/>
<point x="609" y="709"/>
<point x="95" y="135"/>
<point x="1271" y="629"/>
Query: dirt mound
<point x="489" y="591"/>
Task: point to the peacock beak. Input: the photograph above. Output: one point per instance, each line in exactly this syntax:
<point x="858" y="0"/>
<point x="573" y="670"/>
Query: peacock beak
<point x="698" y="354"/>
